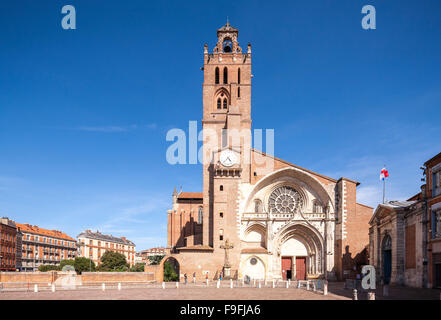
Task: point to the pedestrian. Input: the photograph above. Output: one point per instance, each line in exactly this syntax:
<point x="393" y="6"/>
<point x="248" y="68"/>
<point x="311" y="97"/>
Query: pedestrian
<point x="220" y="275"/>
<point x="206" y="276"/>
<point x="185" y="277"/>
<point x="194" y="277"/>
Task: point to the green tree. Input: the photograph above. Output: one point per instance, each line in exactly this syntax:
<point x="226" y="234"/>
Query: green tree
<point x="154" y="260"/>
<point x="82" y="264"/>
<point x="48" y="267"/>
<point x="113" y="261"/>
<point x="139" y="267"/>
<point x="169" y="272"/>
<point x="67" y="262"/>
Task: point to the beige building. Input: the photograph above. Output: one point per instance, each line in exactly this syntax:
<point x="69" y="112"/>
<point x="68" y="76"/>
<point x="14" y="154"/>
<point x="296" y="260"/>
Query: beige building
<point x="93" y="245"/>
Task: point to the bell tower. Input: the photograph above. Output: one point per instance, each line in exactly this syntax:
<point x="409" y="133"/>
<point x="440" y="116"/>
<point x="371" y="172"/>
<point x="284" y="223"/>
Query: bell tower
<point x="226" y="108"/>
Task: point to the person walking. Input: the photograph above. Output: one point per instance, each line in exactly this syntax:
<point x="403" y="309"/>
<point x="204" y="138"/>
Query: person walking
<point x="220" y="275"/>
<point x="185" y="277"/>
<point x="194" y="277"/>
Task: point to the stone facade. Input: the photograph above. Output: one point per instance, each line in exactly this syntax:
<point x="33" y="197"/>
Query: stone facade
<point x="401" y="222"/>
<point x="414" y="230"/>
<point x="277" y="219"/>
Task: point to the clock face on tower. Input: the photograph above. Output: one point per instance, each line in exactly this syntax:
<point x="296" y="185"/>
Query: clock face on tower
<point x="228" y="158"/>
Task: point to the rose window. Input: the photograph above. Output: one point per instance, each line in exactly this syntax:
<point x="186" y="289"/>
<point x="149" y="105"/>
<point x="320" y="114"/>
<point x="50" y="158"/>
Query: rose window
<point x="285" y="200"/>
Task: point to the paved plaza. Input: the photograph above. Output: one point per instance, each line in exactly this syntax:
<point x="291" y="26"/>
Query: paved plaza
<point x="201" y="292"/>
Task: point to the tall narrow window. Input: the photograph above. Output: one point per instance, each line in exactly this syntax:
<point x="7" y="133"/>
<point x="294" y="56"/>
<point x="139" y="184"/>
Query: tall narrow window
<point x="219" y="103"/>
<point x="217" y="75"/>
<point x="238" y="92"/>
<point x="225" y="103"/>
<point x="225" y="75"/>
<point x="238" y="76"/>
<point x="224" y="138"/>
<point x="200" y="215"/>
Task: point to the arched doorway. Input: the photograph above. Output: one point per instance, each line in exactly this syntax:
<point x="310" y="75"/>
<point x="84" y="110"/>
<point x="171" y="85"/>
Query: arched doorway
<point x="300" y="249"/>
<point x="386" y="249"/>
<point x="170" y="269"/>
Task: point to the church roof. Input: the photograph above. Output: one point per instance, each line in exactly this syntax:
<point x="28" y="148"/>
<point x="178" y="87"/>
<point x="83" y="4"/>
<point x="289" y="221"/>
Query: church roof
<point x="190" y="195"/>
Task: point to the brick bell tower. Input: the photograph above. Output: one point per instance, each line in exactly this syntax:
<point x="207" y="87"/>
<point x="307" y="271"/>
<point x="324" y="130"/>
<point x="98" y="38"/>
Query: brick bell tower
<point x="226" y="108"/>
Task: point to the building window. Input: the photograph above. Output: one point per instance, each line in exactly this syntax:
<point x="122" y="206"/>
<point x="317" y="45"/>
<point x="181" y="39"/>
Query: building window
<point x="225" y="75"/>
<point x="217" y="75"/>
<point x="221" y="234"/>
<point x="436" y="224"/>
<point x="225" y="103"/>
<point x="200" y="215"/>
<point x="238" y="92"/>
<point x="238" y="76"/>
<point x="221" y="188"/>
<point x="221" y="214"/>
<point x="436" y="183"/>
<point x="219" y="103"/>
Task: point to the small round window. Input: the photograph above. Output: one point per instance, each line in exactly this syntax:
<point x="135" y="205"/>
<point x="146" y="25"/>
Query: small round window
<point x="253" y="261"/>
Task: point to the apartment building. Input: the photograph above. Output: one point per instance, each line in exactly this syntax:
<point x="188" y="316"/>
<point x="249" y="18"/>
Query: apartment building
<point x="41" y="246"/>
<point x="92" y="245"/>
<point x="433" y="194"/>
<point x="8" y="232"/>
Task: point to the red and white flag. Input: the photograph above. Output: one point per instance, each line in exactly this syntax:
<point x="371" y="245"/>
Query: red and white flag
<point x="384" y="174"/>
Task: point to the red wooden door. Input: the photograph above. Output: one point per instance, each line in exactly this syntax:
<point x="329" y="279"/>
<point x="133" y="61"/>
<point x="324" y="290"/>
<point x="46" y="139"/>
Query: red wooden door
<point x="286" y="266"/>
<point x="301" y="268"/>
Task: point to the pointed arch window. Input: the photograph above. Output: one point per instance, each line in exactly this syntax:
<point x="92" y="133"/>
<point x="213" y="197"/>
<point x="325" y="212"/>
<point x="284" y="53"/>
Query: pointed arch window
<point x="225" y="103"/>
<point x="225" y="75"/>
<point x="217" y="75"/>
<point x="219" y="103"/>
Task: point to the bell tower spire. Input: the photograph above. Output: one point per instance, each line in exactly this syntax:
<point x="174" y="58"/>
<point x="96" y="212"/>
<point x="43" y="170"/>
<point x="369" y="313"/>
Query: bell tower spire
<point x="226" y="106"/>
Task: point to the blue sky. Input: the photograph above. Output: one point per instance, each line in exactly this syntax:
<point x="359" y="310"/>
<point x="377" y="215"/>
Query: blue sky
<point x="84" y="113"/>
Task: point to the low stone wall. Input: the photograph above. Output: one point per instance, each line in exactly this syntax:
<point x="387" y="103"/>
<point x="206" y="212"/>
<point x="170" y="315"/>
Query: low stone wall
<point x="22" y="279"/>
<point x="117" y="277"/>
<point x="25" y="277"/>
<point x="156" y="271"/>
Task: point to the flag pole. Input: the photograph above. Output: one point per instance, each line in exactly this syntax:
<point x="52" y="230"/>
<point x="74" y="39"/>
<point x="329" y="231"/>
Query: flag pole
<point x="384" y="188"/>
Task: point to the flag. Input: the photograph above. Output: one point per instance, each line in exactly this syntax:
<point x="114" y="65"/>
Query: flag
<point x="384" y="174"/>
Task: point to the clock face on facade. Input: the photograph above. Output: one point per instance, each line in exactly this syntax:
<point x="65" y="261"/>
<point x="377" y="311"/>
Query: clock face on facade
<point x="228" y="158"/>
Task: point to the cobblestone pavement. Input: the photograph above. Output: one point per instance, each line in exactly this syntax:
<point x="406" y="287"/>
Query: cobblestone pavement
<point x="201" y="292"/>
<point x="189" y="292"/>
<point x="395" y="292"/>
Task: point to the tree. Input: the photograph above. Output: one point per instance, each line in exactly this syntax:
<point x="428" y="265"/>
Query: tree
<point x="82" y="264"/>
<point x="169" y="272"/>
<point x="48" y="267"/>
<point x="139" y="267"/>
<point x="154" y="260"/>
<point x="113" y="261"/>
<point x="66" y="262"/>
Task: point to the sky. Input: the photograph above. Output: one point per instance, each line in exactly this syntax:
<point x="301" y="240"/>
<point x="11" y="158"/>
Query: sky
<point x="84" y="113"/>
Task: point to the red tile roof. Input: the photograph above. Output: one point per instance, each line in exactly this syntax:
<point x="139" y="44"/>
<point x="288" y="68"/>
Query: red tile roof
<point x="43" y="232"/>
<point x="190" y="195"/>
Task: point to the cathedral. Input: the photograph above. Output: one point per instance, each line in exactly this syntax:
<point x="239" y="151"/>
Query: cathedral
<point x="287" y="222"/>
